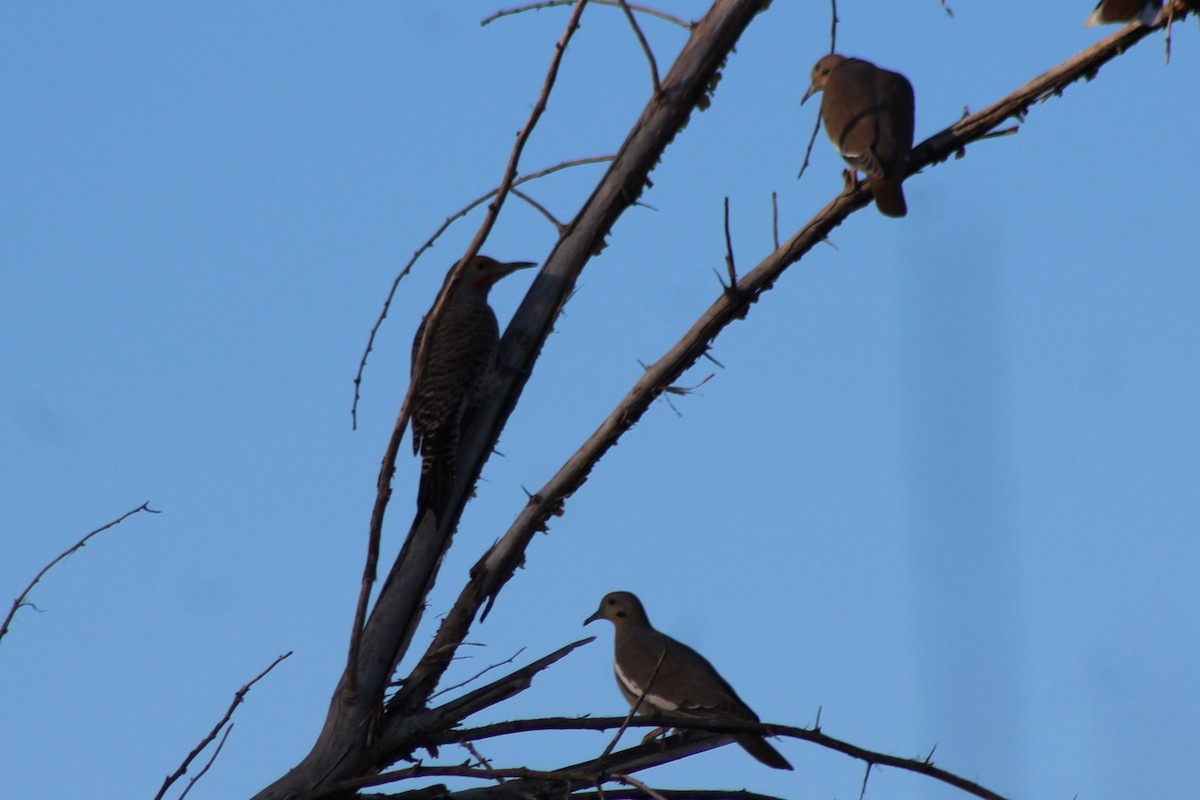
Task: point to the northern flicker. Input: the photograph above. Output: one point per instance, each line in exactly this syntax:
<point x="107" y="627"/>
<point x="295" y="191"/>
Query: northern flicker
<point x="674" y="677"/>
<point x="459" y="359"/>
<point x="868" y="115"/>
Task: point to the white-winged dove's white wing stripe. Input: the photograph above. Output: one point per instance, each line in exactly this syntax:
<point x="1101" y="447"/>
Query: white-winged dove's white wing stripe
<point x="636" y="691"/>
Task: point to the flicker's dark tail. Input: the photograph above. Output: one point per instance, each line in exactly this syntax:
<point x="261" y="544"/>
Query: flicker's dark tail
<point x="889" y="197"/>
<point x="437" y="479"/>
<point x="758" y="747"/>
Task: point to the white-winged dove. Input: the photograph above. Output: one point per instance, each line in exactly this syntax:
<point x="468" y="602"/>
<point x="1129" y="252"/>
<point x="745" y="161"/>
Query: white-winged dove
<point x="868" y="115"/>
<point x="1107" y="11"/>
<point x="684" y="683"/>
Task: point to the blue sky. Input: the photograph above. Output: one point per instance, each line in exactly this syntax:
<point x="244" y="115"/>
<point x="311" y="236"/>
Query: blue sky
<point x="944" y="488"/>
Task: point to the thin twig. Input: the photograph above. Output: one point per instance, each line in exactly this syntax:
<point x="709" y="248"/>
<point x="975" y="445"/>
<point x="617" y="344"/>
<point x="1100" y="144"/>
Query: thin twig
<point x="645" y="46"/>
<point x="478" y="675"/>
<point x="647" y="10"/>
<point x="483" y="762"/>
<point x="866" y="774"/>
<point x="729" y="265"/>
<point x="635" y="783"/>
<point x="558" y="226"/>
<point x="812" y="137"/>
<point x="447" y="771"/>
<point x="428" y="244"/>
<point x="238" y="697"/>
<point x="20" y="601"/>
<point x="388" y="468"/>
<point x="634" y="708"/>
<point x="216" y="752"/>
<point x="775" y="220"/>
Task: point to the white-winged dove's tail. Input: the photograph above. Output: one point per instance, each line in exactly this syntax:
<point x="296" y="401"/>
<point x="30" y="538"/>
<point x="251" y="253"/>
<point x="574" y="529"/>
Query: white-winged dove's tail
<point x="1109" y="11"/>
<point x="889" y="197"/>
<point x="459" y="358"/>
<point x="679" y="680"/>
<point x="869" y="115"/>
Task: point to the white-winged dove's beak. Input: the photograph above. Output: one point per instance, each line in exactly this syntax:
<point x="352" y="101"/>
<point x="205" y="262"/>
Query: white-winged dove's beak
<point x="598" y="615"/>
<point x="812" y="89"/>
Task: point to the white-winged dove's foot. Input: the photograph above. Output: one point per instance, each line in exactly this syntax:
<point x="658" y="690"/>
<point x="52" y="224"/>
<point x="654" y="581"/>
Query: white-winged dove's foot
<point x="654" y="734"/>
<point x="850" y="178"/>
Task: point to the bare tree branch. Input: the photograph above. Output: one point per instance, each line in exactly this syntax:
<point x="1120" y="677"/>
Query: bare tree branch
<point x="645" y="45"/>
<point x="238" y="697"/>
<point x="345" y="751"/>
<point x="21" y="601"/>
<point x="636" y="784"/>
<point x="495" y="568"/>
<point x="477" y="675"/>
<point x="404" y="734"/>
<point x="730" y="267"/>
<point x="713" y="733"/>
<point x="541" y="209"/>
<point x="775" y="220"/>
<point x="208" y="764"/>
<point x="672" y="794"/>
<point x="653" y="12"/>
<point x="684" y="87"/>
<point x="812" y="138"/>
<point x="420" y="355"/>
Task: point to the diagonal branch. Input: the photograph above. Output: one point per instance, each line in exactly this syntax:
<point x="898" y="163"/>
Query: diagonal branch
<point x="404" y="734"/>
<point x="192" y="781"/>
<point x="21" y="601"/>
<point x="238" y="697"/>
